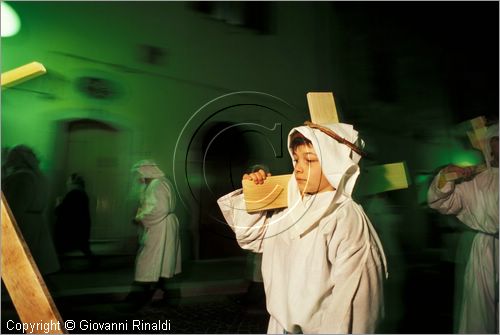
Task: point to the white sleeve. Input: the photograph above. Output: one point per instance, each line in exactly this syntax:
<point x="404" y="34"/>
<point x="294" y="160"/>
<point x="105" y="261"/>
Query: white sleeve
<point x="464" y="201"/>
<point x="446" y="200"/>
<point x="155" y="205"/>
<point x="250" y="228"/>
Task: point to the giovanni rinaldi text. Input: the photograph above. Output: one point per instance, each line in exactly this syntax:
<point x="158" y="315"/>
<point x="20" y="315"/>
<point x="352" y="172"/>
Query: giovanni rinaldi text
<point x="47" y="327"/>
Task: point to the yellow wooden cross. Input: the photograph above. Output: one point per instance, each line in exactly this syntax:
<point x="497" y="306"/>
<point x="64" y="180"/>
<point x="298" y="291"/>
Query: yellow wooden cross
<point x="21" y="74"/>
<point x="478" y="135"/>
<point x="21" y="276"/>
<point x="273" y="192"/>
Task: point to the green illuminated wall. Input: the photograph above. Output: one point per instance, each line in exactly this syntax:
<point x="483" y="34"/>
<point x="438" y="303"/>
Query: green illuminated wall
<point x="404" y="86"/>
<point x="204" y="59"/>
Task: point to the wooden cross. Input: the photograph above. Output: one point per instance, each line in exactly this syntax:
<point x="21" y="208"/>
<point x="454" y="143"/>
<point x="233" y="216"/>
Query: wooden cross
<point x="273" y="192"/>
<point x="478" y="135"/>
<point x="21" y="74"/>
<point x="476" y="138"/>
<point x="21" y="276"/>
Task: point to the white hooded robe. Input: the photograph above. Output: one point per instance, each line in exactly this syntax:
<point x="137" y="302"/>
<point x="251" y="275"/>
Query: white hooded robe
<point x="160" y="250"/>
<point x="323" y="265"/>
<point x="475" y="203"/>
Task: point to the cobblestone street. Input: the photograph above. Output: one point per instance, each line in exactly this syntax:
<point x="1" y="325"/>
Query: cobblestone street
<point x="208" y="297"/>
<point x="216" y="314"/>
<point x="214" y="297"/>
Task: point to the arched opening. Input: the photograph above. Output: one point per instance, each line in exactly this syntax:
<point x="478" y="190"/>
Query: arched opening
<point x="100" y="153"/>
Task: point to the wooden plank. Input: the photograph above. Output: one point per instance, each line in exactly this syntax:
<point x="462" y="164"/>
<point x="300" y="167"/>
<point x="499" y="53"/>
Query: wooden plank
<point x="478" y="131"/>
<point x="21" y="74"/>
<point x="451" y="176"/>
<point x="373" y="180"/>
<point x="322" y="107"/>
<point x="478" y="122"/>
<point x="383" y="178"/>
<point x="478" y="134"/>
<point x="21" y="276"/>
<point x="476" y="137"/>
<point x="23" y="280"/>
<point x="273" y="193"/>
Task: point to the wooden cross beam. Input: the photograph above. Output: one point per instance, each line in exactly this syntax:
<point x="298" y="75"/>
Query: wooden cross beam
<point x="476" y="138"/>
<point x="25" y="284"/>
<point x="21" y="74"/>
<point x="478" y="135"/>
<point x="273" y="192"/>
<point x="21" y="276"/>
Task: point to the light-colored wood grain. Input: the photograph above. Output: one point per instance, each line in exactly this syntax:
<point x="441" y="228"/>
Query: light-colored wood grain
<point x="21" y="74"/>
<point x="322" y="107"/>
<point x="478" y="132"/>
<point x="478" y="122"/>
<point x="271" y="194"/>
<point x="383" y="178"/>
<point x="21" y="277"/>
<point x="477" y="136"/>
<point x="24" y="282"/>
<point x="475" y="124"/>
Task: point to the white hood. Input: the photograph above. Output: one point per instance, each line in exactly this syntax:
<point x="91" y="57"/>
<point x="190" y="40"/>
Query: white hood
<point x="338" y="162"/>
<point x="340" y="166"/>
<point x="148" y="169"/>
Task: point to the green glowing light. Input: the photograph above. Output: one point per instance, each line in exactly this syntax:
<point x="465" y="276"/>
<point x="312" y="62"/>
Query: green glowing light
<point x="422" y="178"/>
<point x="468" y="158"/>
<point x="10" y="21"/>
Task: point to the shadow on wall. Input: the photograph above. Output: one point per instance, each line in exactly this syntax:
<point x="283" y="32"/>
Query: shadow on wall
<point x="224" y="156"/>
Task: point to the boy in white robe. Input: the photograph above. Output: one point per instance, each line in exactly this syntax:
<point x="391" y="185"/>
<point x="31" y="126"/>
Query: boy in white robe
<point x="475" y="203"/>
<point x="323" y="265"/>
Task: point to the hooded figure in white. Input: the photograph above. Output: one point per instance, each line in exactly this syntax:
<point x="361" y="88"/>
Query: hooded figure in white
<point x="323" y="265"/>
<point x="160" y="248"/>
<point x="475" y="203"/>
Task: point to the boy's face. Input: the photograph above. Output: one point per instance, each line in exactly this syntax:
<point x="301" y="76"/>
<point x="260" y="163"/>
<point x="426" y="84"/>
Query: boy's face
<point x="308" y="173"/>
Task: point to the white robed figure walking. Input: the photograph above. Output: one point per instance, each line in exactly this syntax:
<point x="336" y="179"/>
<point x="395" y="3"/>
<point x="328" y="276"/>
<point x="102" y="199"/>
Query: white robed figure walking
<point x="475" y="203"/>
<point x="159" y="254"/>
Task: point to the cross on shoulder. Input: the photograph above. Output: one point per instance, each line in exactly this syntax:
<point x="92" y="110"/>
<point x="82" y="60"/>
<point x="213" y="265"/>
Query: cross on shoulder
<point x="272" y="193"/>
